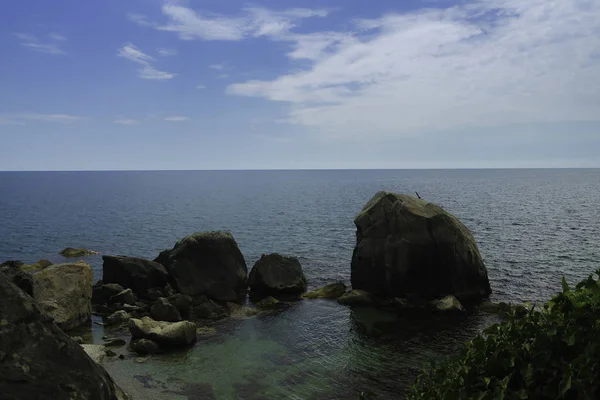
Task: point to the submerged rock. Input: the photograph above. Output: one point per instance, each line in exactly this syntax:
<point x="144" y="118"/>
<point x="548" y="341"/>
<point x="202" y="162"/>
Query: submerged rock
<point x="64" y="291"/>
<point x="356" y="297"/>
<point x="268" y="302"/>
<point x="331" y="291"/>
<point x="76" y="252"/>
<point x="145" y="346"/>
<point x="168" y="334"/>
<point x="162" y="310"/>
<point x="137" y="274"/>
<point x="118" y="317"/>
<point x="275" y="274"/>
<point x="39" y="361"/>
<point x="448" y="303"/>
<point x="207" y="263"/>
<point x="407" y="246"/>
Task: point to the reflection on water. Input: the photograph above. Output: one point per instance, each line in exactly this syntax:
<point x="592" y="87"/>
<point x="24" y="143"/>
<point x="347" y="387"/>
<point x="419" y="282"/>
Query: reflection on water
<point x="306" y="350"/>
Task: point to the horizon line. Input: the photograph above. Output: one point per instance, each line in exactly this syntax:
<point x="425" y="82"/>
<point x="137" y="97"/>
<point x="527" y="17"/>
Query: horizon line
<point x="303" y="169"/>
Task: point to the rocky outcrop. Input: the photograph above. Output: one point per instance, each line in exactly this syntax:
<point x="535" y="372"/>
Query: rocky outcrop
<point x="64" y="291"/>
<point x="70" y="252"/>
<point x="39" y="361"/>
<point x="208" y="263"/>
<point x="116" y="318"/>
<point x="17" y="275"/>
<point x="209" y="309"/>
<point x="275" y="274"/>
<point x="163" y="310"/>
<point x="182" y="303"/>
<point x="166" y="334"/>
<point x="137" y="274"/>
<point x="408" y="247"/>
<point x="331" y="291"/>
<point x="124" y="297"/>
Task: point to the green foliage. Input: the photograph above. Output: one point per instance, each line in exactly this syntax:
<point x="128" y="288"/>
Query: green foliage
<point x="552" y="353"/>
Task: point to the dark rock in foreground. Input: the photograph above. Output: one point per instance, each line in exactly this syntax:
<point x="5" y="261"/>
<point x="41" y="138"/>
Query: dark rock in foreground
<point x="208" y="263"/>
<point x="137" y="274"/>
<point x="64" y="291"/>
<point x="76" y="252"/>
<point x="407" y="247"/>
<point x="13" y="271"/>
<point x="275" y="274"/>
<point x="39" y="361"/>
<point x="162" y="310"/>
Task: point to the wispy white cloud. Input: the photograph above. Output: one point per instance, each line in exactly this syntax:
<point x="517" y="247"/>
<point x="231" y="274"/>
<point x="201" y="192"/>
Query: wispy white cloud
<point x="147" y="71"/>
<point x="32" y="42"/>
<point x="251" y="22"/>
<point x="139" y="19"/>
<point x="57" y="37"/>
<point x="200" y="87"/>
<point x="218" y="67"/>
<point x="176" y="118"/>
<point x="166" y="52"/>
<point x="125" y="121"/>
<point x="477" y="64"/>
<point x="22" y="118"/>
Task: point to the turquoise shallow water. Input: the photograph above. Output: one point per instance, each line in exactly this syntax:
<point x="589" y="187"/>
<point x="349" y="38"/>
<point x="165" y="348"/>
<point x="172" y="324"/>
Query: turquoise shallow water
<point x="532" y="226"/>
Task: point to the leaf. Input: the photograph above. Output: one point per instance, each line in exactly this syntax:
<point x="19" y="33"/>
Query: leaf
<point x="565" y="385"/>
<point x="565" y="285"/>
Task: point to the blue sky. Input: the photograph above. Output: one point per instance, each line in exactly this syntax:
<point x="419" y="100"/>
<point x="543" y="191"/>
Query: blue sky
<point x="190" y="84"/>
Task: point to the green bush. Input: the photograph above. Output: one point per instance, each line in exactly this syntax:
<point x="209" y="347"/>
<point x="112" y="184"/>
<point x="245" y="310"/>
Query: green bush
<point x="552" y="353"/>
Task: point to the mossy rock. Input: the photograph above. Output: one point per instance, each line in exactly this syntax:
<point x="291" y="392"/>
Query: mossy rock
<point x="331" y="291"/>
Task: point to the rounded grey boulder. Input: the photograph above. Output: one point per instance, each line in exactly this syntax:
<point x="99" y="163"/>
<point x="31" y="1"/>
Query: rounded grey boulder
<point x="163" y="310"/>
<point x="275" y="274"/>
<point x="408" y="247"/>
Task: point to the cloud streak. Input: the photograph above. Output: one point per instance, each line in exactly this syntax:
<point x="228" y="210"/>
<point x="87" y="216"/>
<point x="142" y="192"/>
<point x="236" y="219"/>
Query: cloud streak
<point x="32" y="42"/>
<point x="176" y="118"/>
<point x="147" y="70"/>
<point x="479" y="64"/>
<point x="21" y="119"/>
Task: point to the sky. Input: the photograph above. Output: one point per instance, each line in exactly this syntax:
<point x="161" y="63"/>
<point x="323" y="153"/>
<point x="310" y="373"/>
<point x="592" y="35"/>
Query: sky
<point x="300" y="84"/>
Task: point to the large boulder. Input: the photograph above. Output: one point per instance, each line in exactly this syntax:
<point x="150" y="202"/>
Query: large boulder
<point x="39" y="361"/>
<point x="208" y="263"/>
<point x="168" y="334"/>
<point x="137" y="274"/>
<point x="64" y="291"/>
<point x="274" y="274"/>
<point x="408" y="247"/>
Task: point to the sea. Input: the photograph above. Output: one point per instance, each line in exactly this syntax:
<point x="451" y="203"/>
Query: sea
<point x="533" y="226"/>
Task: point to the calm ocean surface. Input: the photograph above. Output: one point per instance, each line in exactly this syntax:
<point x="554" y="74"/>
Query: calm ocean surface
<point x="532" y="227"/>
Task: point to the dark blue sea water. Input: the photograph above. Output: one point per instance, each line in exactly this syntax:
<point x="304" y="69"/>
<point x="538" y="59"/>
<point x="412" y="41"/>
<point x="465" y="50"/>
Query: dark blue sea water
<point x="532" y="226"/>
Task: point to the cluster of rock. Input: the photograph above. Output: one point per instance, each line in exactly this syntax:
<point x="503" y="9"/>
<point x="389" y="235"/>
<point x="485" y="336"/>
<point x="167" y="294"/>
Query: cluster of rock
<point x="409" y="253"/>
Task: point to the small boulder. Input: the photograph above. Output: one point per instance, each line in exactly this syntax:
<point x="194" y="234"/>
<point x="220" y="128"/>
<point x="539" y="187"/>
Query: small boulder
<point x="268" y="302"/>
<point x="116" y="318"/>
<point x="164" y="333"/>
<point x="209" y="309"/>
<point x="275" y="274"/>
<point x="145" y="346"/>
<point x="124" y="297"/>
<point x="331" y="291"/>
<point x="448" y="303"/>
<point x="162" y="310"/>
<point x="70" y="252"/>
<point x="154" y="294"/>
<point x="138" y="274"/>
<point x="102" y="293"/>
<point x="182" y="302"/>
<point x="207" y="263"/>
<point x="64" y="291"/>
<point x="493" y="308"/>
<point x="356" y="297"/>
